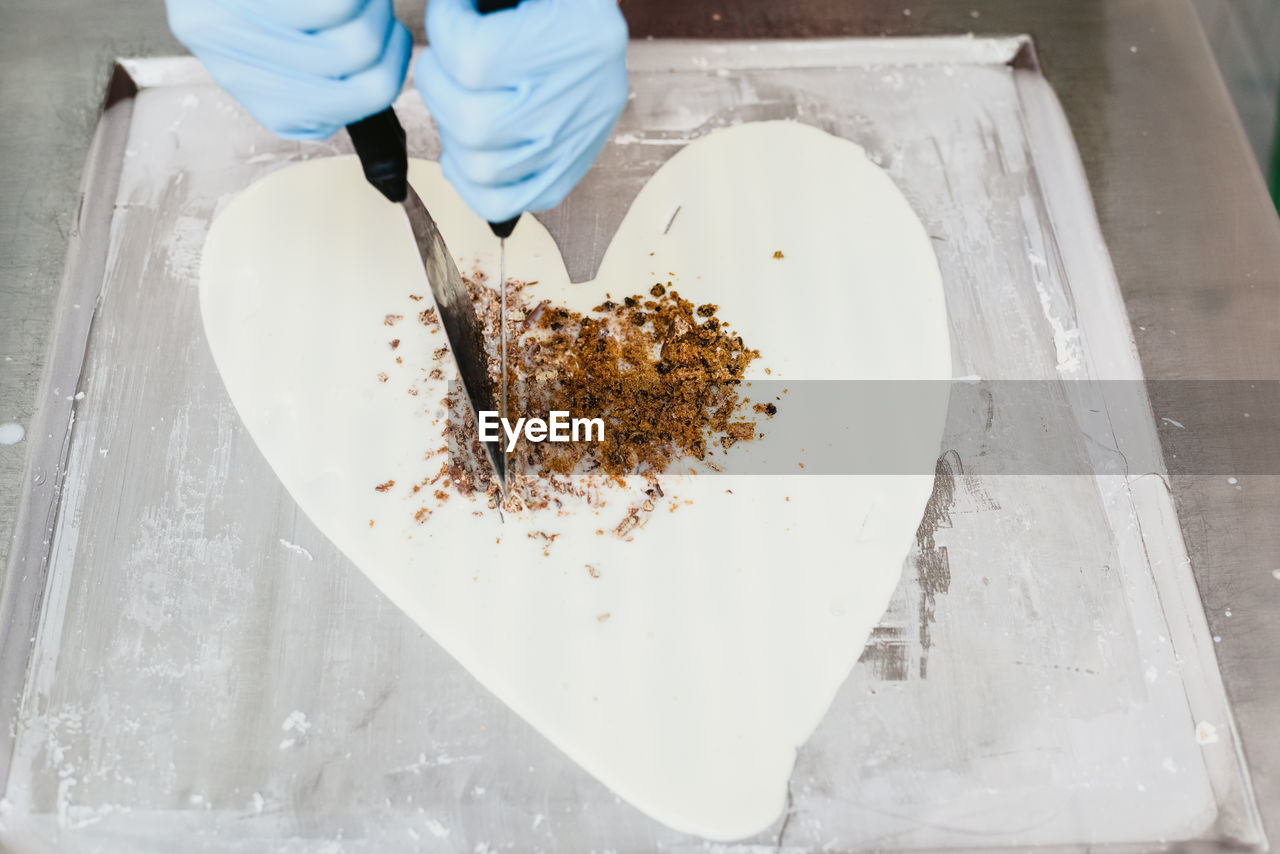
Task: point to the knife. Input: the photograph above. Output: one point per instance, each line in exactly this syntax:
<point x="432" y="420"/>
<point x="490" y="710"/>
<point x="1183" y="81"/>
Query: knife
<point x="379" y="141"/>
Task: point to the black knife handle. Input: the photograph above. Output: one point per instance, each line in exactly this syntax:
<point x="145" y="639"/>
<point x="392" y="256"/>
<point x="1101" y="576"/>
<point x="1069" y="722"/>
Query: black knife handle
<point x="484" y="7"/>
<point x="379" y="141"/>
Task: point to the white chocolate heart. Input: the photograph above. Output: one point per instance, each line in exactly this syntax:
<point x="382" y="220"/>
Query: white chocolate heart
<point x="733" y="619"/>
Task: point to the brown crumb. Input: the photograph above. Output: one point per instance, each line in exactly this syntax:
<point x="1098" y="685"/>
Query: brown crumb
<point x="603" y="617"/>
<point x="382" y="376"/>
<point x="395" y="342"/>
<point x="778" y="254"/>
<point x="542" y="535"/>
<point x="766" y="409"/>
<point x="383" y="487"/>
<point x="628" y="524"/>
<point x="592" y="571"/>
<point x="392" y="319"/>
<point x="415" y="297"/>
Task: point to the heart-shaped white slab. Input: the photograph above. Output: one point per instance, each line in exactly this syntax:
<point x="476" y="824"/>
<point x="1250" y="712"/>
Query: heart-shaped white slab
<point x="731" y="620"/>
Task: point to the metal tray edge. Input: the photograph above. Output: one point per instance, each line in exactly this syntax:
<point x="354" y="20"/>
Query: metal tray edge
<point x="1148" y="492"/>
<point x="22" y="587"/>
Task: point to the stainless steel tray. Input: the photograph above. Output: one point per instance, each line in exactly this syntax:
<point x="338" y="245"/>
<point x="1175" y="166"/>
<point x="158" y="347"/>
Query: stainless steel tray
<point x="187" y="664"/>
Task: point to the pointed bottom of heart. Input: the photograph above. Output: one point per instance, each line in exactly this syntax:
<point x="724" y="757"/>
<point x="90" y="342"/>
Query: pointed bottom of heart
<point x="684" y="666"/>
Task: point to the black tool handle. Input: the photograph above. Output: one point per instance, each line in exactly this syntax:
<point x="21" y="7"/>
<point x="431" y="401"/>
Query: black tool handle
<point x="379" y="141"/>
<point x="484" y="7"/>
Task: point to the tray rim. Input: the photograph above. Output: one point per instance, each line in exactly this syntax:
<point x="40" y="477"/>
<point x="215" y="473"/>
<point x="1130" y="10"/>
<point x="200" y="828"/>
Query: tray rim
<point x="24" y="584"/>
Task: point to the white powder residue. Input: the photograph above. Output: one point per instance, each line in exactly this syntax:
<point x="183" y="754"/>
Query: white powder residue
<point x="1066" y="340"/>
<point x="12" y="434"/>
<point x="1206" y="733"/>
<point x="296" y="549"/>
<point x="296" y="723"/>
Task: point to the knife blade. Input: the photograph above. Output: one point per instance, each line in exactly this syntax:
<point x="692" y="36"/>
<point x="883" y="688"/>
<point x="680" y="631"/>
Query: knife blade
<point x="461" y="325"/>
<point x="379" y="141"/>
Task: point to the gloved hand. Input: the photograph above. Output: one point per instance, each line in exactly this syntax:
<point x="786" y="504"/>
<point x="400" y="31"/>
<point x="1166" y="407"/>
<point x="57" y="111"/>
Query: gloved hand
<point x="524" y="98"/>
<point x="303" y="68"/>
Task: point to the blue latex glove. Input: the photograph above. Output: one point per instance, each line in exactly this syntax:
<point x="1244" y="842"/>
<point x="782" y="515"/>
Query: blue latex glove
<point x="524" y="98"/>
<point x="303" y="68"/>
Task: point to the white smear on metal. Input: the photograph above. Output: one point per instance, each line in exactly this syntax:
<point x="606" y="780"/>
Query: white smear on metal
<point x="438" y="830"/>
<point x="1206" y="733"/>
<point x="296" y="549"/>
<point x="12" y="434"/>
<point x="1177" y="424"/>
<point x="65" y="785"/>
<point x="296" y="723"/>
<point x="1066" y="339"/>
<point x="632" y="139"/>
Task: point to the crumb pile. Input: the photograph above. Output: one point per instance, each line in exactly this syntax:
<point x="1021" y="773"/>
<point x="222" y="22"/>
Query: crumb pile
<point x="662" y="372"/>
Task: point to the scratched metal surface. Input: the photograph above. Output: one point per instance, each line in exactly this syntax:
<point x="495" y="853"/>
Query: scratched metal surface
<point x="206" y="668"/>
